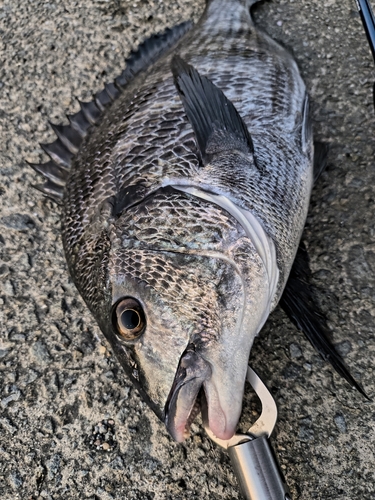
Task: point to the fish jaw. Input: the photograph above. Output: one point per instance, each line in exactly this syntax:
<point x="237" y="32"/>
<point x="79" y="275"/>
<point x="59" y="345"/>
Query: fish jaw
<point x="223" y="406"/>
<point x="182" y="404"/>
<point x="195" y="389"/>
<point x="217" y="369"/>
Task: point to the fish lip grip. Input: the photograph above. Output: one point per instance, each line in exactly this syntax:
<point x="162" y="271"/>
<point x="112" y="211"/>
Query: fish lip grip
<point x="251" y="454"/>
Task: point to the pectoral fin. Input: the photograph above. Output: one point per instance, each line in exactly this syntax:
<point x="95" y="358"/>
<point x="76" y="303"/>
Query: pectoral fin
<point x="215" y="121"/>
<point x="299" y="304"/>
<point x="320" y="159"/>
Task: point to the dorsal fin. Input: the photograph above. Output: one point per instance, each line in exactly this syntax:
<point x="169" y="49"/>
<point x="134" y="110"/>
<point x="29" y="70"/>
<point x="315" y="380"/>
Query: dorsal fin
<point x="51" y="190"/>
<point x="151" y="50"/>
<point x="70" y="137"/>
<point x="208" y="110"/>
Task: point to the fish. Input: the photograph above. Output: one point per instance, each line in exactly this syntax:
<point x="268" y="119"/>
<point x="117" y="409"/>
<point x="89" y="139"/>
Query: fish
<point x="184" y="188"/>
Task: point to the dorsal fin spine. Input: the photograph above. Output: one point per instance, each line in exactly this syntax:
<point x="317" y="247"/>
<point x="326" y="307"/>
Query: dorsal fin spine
<point x="51" y="190"/>
<point x="51" y="171"/>
<point x="79" y="123"/>
<point x="58" y="153"/>
<point x="70" y="137"/>
<point x="91" y="111"/>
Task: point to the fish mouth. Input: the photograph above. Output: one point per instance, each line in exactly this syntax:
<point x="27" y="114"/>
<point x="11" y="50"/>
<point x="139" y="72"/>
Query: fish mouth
<point x="193" y="392"/>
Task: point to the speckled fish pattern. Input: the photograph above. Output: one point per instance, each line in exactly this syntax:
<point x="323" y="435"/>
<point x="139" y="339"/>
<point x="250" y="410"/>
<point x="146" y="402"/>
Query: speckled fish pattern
<point x="131" y="227"/>
<point x="146" y="139"/>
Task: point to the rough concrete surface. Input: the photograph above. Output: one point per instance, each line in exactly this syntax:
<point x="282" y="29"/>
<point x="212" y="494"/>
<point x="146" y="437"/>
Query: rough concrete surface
<point x="58" y="379"/>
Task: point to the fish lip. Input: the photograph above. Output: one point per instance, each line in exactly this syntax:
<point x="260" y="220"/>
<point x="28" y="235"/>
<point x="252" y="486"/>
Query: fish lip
<point x="182" y="405"/>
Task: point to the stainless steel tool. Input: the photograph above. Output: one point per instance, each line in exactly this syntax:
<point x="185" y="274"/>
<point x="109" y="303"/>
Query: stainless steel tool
<point x="251" y="454"/>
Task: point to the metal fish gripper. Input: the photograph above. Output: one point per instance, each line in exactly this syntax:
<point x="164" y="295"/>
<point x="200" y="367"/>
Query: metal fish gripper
<point x="253" y="459"/>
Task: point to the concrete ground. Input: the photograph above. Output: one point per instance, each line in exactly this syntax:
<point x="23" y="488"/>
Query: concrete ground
<point x="58" y="378"/>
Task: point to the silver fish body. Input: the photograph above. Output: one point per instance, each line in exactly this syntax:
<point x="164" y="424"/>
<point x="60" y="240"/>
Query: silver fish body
<point x="188" y="250"/>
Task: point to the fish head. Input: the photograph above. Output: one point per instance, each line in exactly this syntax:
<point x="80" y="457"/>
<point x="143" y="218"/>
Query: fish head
<point x="182" y="326"/>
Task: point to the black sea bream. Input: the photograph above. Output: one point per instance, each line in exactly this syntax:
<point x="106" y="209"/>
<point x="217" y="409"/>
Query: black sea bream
<point x="184" y="188"/>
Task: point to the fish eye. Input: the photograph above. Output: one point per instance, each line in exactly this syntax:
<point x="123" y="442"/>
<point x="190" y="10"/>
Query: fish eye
<point x="129" y="319"/>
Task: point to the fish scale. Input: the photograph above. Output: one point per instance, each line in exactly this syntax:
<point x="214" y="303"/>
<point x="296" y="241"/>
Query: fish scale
<point x="212" y="229"/>
<point x="184" y="188"/>
<point x="273" y="104"/>
<point x="145" y="143"/>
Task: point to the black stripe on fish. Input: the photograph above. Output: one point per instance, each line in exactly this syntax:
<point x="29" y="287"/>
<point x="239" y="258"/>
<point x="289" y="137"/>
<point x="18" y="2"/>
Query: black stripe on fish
<point x="209" y="112"/>
<point x="70" y="137"/>
<point x="299" y="304"/>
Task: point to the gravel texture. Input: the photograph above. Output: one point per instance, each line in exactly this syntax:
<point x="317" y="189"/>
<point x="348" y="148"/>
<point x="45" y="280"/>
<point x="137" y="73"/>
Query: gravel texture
<point x="71" y="425"/>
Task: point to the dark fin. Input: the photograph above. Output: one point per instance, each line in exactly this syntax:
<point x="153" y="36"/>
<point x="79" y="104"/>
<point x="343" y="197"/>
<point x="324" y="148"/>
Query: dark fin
<point x="207" y="108"/>
<point x="102" y="99"/>
<point x="51" y="171"/>
<point x="91" y="111"/>
<point x="112" y="91"/>
<point x="68" y="136"/>
<point x="51" y="190"/>
<point x="298" y="303"/>
<point x="150" y="51"/>
<point x="79" y="122"/>
<point x="320" y="158"/>
<point x="106" y="97"/>
<point x="58" y="153"/>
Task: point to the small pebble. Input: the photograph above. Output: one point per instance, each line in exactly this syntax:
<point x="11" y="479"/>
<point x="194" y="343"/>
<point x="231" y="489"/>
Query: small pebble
<point x="295" y="351"/>
<point x="102" y="349"/>
<point x="340" y="422"/>
<point x="103" y="436"/>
